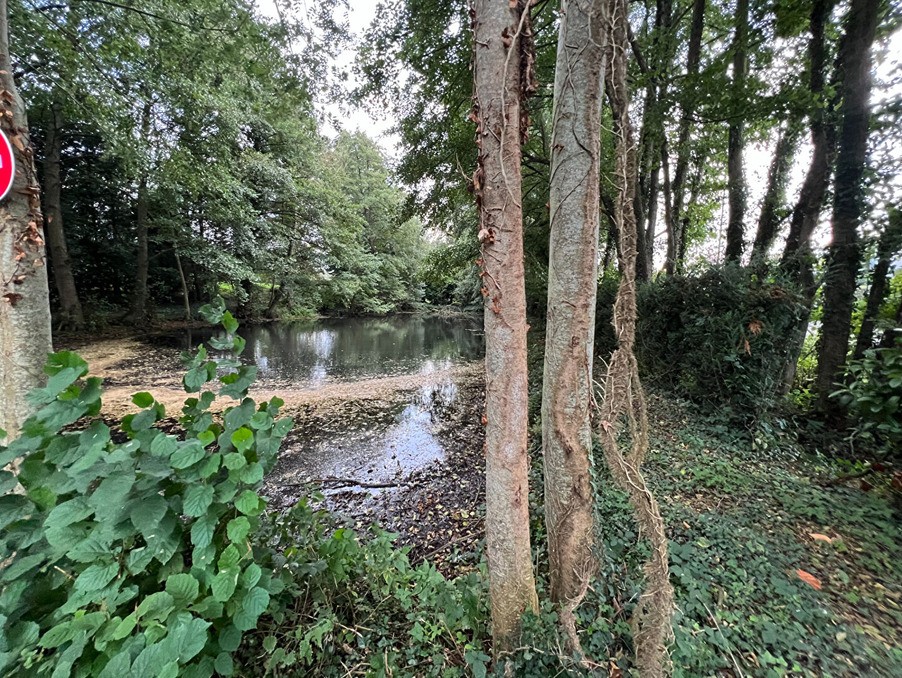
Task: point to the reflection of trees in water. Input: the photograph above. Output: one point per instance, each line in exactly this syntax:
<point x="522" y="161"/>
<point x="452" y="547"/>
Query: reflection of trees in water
<point x="362" y="346"/>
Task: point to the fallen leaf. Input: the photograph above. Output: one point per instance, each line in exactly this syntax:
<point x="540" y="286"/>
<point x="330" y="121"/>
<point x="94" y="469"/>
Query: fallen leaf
<point x="809" y="579"/>
<point x="820" y="537"/>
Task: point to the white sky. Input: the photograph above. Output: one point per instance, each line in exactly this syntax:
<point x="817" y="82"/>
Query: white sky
<point x="353" y="119"/>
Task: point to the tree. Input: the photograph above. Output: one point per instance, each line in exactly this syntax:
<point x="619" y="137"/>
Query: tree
<point x="848" y="201"/>
<point x="624" y="416"/>
<point x="572" y="282"/>
<point x="736" y="188"/>
<point x="71" y="315"/>
<point x="502" y="79"/>
<point x="24" y="308"/>
<point x="888" y="246"/>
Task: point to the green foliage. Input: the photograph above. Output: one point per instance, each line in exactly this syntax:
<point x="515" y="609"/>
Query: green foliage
<point x="718" y="337"/>
<point x="359" y="602"/>
<point x="134" y="555"/>
<point x="873" y="396"/>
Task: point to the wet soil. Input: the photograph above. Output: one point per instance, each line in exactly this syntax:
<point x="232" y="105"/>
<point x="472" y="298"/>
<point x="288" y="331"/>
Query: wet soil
<point x="404" y="452"/>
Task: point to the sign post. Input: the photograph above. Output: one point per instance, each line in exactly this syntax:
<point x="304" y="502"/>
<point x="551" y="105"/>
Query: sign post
<point x="7" y="165"/>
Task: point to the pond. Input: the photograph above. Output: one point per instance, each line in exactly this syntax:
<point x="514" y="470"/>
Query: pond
<point x="397" y="382"/>
<point x="311" y="354"/>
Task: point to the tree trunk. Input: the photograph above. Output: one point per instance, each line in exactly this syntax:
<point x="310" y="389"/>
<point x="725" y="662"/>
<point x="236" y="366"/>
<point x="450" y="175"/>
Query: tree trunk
<point x="848" y="201"/>
<point x="623" y="426"/>
<point x="887" y="248"/>
<point x="683" y="150"/>
<point x="185" y="299"/>
<point x="797" y="260"/>
<point x="502" y="79"/>
<point x="138" y="313"/>
<point x="25" y="338"/>
<point x="736" y="189"/>
<point x="572" y="284"/>
<point x="775" y="194"/>
<point x="71" y="316"/>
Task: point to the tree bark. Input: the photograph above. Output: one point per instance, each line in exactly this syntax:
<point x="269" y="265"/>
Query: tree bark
<point x="797" y="260"/>
<point x="502" y="79"/>
<point x="775" y="194"/>
<point x="185" y="298"/>
<point x="848" y="202"/>
<point x="736" y="189"/>
<point x="623" y="425"/>
<point x="25" y="337"/>
<point x="675" y="231"/>
<point x="887" y="247"/>
<point x="138" y="312"/>
<point x="572" y="285"/>
<point x="71" y="316"/>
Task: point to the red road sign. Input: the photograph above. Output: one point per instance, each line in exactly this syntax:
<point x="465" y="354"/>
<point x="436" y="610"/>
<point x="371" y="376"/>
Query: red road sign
<point x="7" y="165"/>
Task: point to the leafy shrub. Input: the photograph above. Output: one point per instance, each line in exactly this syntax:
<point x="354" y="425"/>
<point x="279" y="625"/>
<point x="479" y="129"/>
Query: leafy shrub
<point x="873" y="395"/>
<point x="134" y="555"/>
<point x="720" y="337"/>
<point x="357" y="601"/>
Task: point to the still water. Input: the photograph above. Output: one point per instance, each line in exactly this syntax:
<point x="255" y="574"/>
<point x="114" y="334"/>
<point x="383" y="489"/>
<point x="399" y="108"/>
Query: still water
<point x="368" y="440"/>
<point x="310" y="354"/>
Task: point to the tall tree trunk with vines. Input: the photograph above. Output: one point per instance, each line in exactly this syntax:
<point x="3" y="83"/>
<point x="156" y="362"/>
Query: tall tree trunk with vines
<point x="888" y="247"/>
<point x="844" y="256"/>
<point x="572" y="284"/>
<point x="623" y="420"/>
<point x="502" y="62"/>
<point x="25" y="338"/>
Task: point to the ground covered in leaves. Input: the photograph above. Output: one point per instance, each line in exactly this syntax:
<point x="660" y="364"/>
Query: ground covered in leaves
<point x="778" y="570"/>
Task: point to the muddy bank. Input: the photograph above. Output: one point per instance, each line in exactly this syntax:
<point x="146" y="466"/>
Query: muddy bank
<point x="402" y="451"/>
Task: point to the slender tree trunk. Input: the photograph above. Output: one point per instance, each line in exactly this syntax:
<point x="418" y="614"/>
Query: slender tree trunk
<point x="844" y="256"/>
<point x="797" y="260"/>
<point x="683" y="150"/>
<point x="623" y="428"/>
<point x="71" y="314"/>
<point x="138" y="313"/>
<point x="736" y="189"/>
<point x="775" y="194"/>
<point x="572" y="284"/>
<point x="25" y="338"/>
<point x="887" y="248"/>
<point x="502" y="79"/>
<point x="184" y="282"/>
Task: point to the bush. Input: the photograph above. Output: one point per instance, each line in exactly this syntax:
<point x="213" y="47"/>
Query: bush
<point x="134" y="555"/>
<point x="873" y="396"/>
<point x="719" y="338"/>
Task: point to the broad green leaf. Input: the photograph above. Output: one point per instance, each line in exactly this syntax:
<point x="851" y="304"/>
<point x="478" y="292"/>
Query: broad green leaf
<point x="68" y="512"/>
<point x="147" y="514"/>
<point x="197" y="500"/>
<point x="224" y="665"/>
<point x="96" y="577"/>
<point x="251" y="474"/>
<point x="249" y="503"/>
<point x="156" y="606"/>
<point x="250" y="576"/>
<point x="188" y="455"/>
<point x="238" y="529"/>
<point x="223" y="585"/>
<point x="183" y="588"/>
<point x="203" y="529"/>
<point x="234" y="461"/>
<point x="143" y="399"/>
<point x="242" y="439"/>
<point x="163" y="445"/>
<point x="230" y="639"/>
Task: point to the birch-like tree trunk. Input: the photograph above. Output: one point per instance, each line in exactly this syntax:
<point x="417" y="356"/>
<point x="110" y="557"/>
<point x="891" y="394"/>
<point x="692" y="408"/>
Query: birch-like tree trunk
<point x="572" y="285"/>
<point x="502" y="79"/>
<point x="71" y="316"/>
<point x="25" y="338"/>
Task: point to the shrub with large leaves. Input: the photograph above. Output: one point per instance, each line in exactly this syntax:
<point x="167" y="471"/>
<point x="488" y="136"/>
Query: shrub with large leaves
<point x="133" y="558"/>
